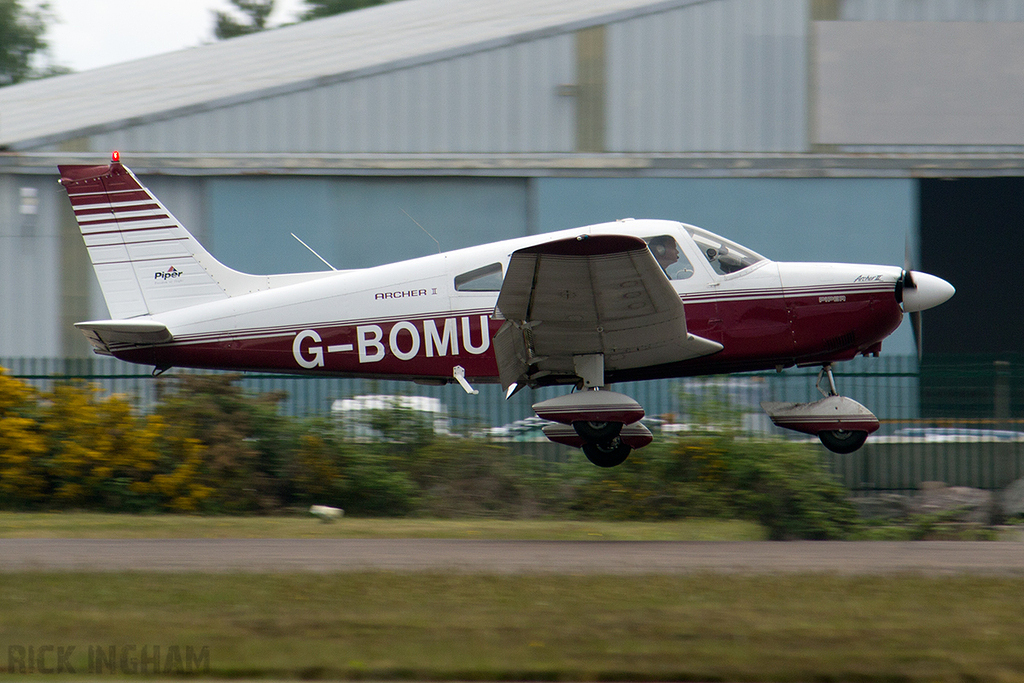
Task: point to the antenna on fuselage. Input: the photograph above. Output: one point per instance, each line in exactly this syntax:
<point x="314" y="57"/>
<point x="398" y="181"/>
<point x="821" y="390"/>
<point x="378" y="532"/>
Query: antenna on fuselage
<point x="313" y="251"/>
<point x="424" y="230"/>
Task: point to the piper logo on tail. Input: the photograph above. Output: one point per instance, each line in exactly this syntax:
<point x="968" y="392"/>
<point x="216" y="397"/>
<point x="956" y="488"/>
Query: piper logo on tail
<point x="168" y="274"/>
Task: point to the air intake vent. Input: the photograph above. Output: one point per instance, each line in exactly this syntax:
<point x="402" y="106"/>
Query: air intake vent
<point x="843" y="341"/>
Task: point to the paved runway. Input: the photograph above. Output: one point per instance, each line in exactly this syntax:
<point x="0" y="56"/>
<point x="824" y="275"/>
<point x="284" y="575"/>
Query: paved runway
<point x="505" y="557"/>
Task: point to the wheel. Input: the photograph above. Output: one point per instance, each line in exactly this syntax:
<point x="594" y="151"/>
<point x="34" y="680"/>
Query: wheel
<point x="842" y="441"/>
<point x="597" y="431"/>
<point x="607" y="453"/>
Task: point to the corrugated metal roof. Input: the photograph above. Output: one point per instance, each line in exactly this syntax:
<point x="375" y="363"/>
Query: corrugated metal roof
<point x="305" y="55"/>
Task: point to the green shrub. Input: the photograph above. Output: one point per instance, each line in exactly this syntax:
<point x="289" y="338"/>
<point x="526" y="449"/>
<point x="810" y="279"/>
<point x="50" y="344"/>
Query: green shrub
<point x="247" y="443"/>
<point x="210" y="446"/>
<point x="779" y="484"/>
<point x="327" y="469"/>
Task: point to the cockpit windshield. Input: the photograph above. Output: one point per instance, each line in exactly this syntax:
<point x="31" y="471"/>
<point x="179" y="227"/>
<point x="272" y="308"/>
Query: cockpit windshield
<point x="725" y="257"/>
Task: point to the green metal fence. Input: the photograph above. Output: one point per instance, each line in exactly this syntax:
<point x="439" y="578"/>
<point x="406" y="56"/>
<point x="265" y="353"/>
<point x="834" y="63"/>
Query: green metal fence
<point x="957" y="420"/>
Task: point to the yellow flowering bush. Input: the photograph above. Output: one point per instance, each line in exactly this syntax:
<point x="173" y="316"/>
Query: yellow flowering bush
<point x="22" y="444"/>
<point x="98" y="447"/>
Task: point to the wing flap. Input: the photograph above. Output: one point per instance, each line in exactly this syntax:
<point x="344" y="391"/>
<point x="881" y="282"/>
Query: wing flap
<point x="591" y="294"/>
<point x="106" y="335"/>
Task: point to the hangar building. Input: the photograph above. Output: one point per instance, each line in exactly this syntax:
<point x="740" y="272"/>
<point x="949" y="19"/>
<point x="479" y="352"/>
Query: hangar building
<point x="804" y="129"/>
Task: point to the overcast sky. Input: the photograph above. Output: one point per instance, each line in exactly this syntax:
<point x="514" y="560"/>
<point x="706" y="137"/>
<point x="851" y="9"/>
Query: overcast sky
<point x="92" y="33"/>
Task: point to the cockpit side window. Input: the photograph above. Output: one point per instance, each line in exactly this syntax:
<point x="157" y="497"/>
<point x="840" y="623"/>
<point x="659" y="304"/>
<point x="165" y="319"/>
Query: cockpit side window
<point x="725" y="256"/>
<point x="670" y="257"/>
<point x="485" y="279"/>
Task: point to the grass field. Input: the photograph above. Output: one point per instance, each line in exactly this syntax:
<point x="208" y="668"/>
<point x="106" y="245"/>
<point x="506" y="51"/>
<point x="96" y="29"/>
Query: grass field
<point x="387" y="626"/>
<point x="419" y="626"/>
<point x="96" y="525"/>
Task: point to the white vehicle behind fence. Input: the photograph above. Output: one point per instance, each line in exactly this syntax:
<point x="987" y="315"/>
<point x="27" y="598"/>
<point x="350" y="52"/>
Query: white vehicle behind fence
<point x="354" y="416"/>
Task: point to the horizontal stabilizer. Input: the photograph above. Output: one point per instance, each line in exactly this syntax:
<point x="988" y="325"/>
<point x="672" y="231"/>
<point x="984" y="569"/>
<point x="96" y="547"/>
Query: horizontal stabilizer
<point x="106" y="335"/>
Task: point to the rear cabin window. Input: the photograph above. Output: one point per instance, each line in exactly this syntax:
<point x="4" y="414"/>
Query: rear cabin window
<point x="485" y="279"/>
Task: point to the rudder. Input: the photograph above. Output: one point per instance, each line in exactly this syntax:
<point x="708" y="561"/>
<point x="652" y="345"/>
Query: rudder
<point x="145" y="260"/>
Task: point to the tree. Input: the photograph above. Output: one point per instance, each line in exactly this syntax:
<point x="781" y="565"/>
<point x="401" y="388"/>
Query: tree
<point x="256" y="11"/>
<point x="319" y="9"/>
<point x="21" y="37"/>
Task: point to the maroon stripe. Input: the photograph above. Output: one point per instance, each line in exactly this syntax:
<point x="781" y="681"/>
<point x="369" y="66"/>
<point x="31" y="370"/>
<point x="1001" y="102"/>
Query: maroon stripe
<point x="110" y="209"/>
<point x="109" y="197"/>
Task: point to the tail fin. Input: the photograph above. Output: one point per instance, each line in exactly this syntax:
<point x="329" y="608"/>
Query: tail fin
<point x="145" y="260"/>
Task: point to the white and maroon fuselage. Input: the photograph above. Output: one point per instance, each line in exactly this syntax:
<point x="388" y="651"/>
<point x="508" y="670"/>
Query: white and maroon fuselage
<point x="408" y="320"/>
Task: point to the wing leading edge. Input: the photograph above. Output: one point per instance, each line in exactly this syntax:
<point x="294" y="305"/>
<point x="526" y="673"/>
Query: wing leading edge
<point x="592" y="294"/>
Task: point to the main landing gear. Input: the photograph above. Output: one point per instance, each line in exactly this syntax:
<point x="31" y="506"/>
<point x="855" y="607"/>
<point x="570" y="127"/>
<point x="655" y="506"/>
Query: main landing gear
<point x="840" y="423"/>
<point x="605" y="424"/>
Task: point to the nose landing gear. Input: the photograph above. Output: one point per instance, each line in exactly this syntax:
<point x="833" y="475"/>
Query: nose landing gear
<point x="840" y="423"/>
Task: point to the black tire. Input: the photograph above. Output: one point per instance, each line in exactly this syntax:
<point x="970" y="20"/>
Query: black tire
<point x="607" y="453"/>
<point x="843" y="441"/>
<point x="597" y="431"/>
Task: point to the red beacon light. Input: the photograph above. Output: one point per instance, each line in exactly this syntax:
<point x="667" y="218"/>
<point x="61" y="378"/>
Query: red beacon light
<point x="115" y="156"/>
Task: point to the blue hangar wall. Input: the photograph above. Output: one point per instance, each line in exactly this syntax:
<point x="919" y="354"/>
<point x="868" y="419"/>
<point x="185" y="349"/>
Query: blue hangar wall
<point x="358" y="222"/>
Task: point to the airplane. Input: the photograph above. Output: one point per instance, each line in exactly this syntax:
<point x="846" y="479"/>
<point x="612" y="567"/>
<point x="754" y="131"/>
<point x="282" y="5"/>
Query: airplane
<point x="582" y="308"/>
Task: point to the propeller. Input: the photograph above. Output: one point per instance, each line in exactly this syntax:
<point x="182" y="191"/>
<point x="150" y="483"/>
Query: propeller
<point x="918" y="291"/>
<point x="908" y="282"/>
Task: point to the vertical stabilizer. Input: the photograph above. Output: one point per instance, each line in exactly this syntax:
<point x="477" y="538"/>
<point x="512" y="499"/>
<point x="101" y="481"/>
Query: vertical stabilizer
<point x="145" y="260"/>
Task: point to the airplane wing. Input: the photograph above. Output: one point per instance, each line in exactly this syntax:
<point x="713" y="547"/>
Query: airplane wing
<point x="107" y="334"/>
<point x="587" y="295"/>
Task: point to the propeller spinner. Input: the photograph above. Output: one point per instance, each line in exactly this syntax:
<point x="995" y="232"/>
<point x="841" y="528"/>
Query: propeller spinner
<point x="917" y="292"/>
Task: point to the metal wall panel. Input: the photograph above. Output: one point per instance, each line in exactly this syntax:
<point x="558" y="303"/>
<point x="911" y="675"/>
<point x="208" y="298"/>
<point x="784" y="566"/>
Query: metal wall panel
<point x="959" y="83"/>
<point x="30" y="262"/>
<point x="719" y="76"/>
<point x="500" y="100"/>
<point x="931" y="10"/>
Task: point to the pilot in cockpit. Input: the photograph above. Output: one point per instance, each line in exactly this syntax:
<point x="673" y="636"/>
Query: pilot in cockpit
<point x="665" y="250"/>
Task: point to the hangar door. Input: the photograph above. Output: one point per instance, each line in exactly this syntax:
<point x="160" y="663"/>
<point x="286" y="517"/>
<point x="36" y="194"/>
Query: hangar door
<point x="972" y="234"/>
